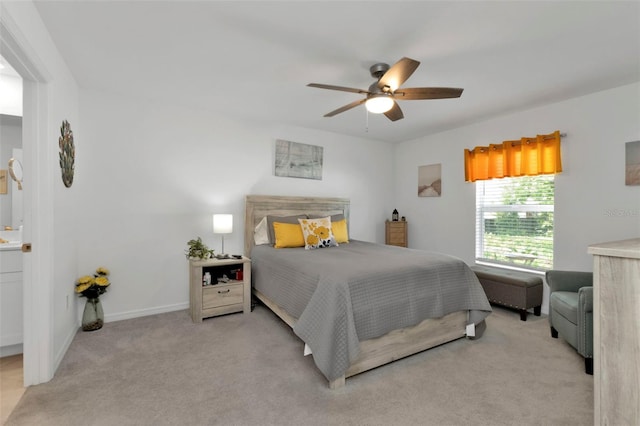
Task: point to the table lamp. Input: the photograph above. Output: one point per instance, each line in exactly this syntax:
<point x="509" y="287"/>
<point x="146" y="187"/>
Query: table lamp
<point x="222" y="224"/>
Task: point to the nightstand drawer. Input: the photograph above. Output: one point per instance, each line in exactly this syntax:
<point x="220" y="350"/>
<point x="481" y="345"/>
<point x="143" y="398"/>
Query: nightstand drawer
<point x="222" y="295"/>
<point x="397" y="242"/>
<point x="397" y="233"/>
<point x="397" y="226"/>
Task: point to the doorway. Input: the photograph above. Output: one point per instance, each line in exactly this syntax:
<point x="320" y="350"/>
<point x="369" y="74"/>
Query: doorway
<point x="11" y="222"/>
<point x="38" y="359"/>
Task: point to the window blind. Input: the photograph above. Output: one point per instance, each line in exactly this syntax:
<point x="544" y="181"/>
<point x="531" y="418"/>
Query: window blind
<point x="514" y="221"/>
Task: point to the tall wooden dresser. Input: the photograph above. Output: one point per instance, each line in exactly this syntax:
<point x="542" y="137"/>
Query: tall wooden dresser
<point x="396" y="233"/>
<point x="616" y="332"/>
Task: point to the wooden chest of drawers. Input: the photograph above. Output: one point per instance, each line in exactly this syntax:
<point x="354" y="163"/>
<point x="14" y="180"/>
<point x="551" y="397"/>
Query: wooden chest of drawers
<point x="396" y="233"/>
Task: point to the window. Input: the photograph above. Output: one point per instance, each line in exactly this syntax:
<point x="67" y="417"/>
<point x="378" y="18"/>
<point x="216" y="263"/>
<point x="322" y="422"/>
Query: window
<point x="514" y="221"/>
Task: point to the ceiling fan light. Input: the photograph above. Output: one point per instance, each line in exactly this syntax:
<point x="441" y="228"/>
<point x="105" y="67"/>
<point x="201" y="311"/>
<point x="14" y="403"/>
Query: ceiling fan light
<point x="379" y="104"/>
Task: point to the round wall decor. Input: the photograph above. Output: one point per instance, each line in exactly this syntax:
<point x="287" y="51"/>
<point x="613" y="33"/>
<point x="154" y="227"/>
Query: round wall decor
<point x="67" y="153"/>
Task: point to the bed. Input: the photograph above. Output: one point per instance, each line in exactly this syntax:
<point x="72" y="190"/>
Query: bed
<point x="360" y="305"/>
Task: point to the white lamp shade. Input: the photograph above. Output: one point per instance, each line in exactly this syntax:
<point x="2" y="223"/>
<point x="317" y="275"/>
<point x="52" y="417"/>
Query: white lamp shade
<point x="222" y="223"/>
<point x="379" y="104"/>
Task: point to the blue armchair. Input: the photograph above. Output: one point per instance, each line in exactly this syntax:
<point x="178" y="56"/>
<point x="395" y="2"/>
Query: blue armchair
<point x="571" y="311"/>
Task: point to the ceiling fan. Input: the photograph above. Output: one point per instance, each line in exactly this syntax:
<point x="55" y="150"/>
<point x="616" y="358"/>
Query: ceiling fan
<point x="383" y="94"/>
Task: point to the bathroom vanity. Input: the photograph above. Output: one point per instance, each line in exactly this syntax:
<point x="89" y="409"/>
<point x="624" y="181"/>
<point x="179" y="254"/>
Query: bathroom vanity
<point x="11" y="306"/>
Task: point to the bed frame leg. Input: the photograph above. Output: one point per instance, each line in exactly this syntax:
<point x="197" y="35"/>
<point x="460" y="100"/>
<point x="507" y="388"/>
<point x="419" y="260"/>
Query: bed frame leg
<point x="337" y="383"/>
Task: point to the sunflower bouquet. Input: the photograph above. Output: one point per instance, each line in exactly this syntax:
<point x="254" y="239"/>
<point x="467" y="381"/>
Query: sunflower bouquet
<point x="93" y="286"/>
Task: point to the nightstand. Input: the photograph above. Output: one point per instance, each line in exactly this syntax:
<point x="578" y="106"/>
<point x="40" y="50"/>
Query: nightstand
<point x="396" y="233"/>
<point x="219" y="297"/>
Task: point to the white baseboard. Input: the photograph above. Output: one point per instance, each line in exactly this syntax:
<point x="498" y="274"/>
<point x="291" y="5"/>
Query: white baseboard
<point x="9" y="350"/>
<point x="146" y="312"/>
<point x="63" y="349"/>
<point x="11" y="339"/>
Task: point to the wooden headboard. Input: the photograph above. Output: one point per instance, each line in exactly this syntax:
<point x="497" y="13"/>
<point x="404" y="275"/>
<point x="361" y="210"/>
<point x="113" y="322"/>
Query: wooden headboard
<point x="259" y="206"/>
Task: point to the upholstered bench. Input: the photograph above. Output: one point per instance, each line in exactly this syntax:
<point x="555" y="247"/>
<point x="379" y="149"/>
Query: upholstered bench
<point x="514" y="289"/>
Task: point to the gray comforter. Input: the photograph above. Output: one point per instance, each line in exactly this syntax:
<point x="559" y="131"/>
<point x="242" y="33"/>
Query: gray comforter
<point x="359" y="291"/>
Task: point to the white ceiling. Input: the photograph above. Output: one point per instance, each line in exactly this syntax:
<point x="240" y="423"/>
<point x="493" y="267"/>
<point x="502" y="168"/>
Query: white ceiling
<point x="252" y="60"/>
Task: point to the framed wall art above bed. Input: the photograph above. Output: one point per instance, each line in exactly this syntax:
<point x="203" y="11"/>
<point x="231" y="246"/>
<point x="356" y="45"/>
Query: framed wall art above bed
<point x="298" y="160"/>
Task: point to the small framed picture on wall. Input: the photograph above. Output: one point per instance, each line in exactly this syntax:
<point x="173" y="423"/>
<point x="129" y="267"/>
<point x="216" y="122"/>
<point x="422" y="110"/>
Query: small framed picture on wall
<point x="430" y="180"/>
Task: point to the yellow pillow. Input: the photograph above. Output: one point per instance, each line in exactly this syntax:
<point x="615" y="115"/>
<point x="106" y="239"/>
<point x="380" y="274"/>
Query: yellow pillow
<point x="288" y="235"/>
<point x="317" y="233"/>
<point x="340" y="232"/>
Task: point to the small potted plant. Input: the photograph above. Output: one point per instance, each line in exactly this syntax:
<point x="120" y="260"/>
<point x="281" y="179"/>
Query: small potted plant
<point x="198" y="250"/>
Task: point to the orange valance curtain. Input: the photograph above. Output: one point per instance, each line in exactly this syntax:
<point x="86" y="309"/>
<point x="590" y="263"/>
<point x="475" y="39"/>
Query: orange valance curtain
<point x="526" y="157"/>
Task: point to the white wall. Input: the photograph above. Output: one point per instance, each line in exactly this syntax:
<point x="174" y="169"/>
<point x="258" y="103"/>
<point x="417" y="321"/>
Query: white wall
<point x="151" y="175"/>
<point x="592" y="202"/>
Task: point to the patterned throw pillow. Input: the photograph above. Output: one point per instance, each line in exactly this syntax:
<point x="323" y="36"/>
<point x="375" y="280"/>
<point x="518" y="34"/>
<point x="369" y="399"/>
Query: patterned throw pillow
<point x="317" y="233"/>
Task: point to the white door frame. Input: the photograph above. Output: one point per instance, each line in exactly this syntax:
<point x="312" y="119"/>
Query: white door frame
<point x="38" y="359"/>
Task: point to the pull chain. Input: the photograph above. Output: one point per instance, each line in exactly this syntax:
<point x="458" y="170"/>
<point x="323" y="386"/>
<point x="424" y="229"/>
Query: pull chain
<point x="366" y="127"/>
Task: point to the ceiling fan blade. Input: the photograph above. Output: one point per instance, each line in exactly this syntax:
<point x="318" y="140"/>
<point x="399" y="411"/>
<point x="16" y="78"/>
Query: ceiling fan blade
<point x="395" y="113"/>
<point x="398" y="74"/>
<point x="417" y="93"/>
<point x="340" y="88"/>
<point x="345" y="108"/>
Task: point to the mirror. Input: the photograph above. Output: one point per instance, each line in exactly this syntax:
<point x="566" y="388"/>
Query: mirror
<point x="15" y="170"/>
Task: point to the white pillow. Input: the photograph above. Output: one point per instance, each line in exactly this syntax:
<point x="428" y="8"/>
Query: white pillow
<point x="260" y="233"/>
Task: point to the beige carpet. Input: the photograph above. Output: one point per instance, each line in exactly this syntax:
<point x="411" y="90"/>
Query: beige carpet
<point x="249" y="370"/>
